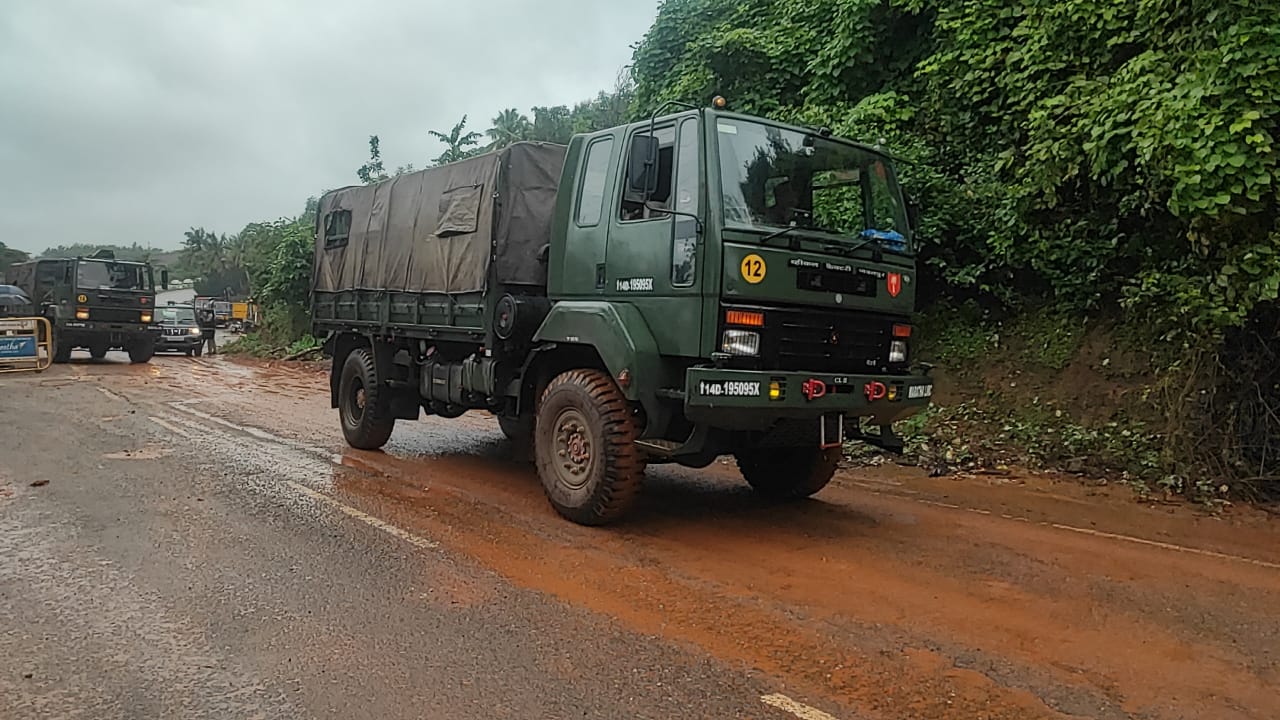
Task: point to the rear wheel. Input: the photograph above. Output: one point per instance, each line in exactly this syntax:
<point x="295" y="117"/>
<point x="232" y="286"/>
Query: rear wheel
<point x="361" y="405"/>
<point x="585" y="448"/>
<point x="142" y="351"/>
<point x="788" y="473"/>
<point x="97" y="352"/>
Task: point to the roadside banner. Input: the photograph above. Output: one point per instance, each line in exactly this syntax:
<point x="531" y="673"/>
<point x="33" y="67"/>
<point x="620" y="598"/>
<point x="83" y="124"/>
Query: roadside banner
<point x="24" y="344"/>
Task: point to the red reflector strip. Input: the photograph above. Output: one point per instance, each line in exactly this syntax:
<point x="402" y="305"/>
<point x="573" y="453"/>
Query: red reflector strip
<point x="902" y="331"/>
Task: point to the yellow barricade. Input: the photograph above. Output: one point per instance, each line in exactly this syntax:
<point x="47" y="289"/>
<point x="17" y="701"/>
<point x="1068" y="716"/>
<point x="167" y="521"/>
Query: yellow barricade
<point x="25" y="344"/>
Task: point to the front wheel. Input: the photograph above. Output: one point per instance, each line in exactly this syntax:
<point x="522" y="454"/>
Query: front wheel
<point x="198" y="351"/>
<point x="788" y="473"/>
<point x="142" y="351"/>
<point x="61" y="349"/>
<point x="584" y="442"/>
<point x="360" y="403"/>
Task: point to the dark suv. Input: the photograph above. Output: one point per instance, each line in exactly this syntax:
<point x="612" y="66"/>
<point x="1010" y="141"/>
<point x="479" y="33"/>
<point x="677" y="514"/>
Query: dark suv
<point x="178" y="330"/>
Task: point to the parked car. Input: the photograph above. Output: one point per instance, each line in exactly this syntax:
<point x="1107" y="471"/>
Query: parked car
<point x="178" y="330"/>
<point x="14" y="302"/>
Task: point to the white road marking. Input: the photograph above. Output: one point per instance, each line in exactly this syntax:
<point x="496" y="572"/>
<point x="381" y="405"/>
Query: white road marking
<point x="799" y="709"/>
<point x="1168" y="546"/>
<point x="170" y="427"/>
<point x="1097" y="533"/>
<point x="317" y="495"/>
<point x="185" y="406"/>
<point x="362" y="516"/>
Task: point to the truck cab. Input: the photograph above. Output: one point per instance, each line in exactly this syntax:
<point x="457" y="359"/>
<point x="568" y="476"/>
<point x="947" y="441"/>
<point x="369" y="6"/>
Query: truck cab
<point x="773" y="267"/>
<point x="708" y="284"/>
<point x="97" y="303"/>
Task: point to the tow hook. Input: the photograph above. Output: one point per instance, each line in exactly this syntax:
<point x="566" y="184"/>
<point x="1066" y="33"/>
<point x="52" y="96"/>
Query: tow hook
<point x="875" y="390"/>
<point x="813" y="389"/>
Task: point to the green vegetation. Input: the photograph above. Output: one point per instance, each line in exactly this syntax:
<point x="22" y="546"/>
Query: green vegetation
<point x="10" y="256"/>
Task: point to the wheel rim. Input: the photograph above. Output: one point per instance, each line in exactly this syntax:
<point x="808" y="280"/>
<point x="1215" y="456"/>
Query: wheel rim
<point x="574" y="449"/>
<point x="355" y="408"/>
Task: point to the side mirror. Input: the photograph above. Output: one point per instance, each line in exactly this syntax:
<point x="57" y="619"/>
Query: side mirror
<point x="642" y="167"/>
<point x="164" y="279"/>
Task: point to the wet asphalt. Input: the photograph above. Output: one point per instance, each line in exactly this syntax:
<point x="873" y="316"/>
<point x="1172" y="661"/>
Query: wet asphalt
<point x="192" y="539"/>
<point x="155" y="564"/>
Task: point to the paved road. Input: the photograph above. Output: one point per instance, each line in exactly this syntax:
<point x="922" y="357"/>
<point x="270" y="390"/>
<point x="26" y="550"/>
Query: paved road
<point x="205" y="547"/>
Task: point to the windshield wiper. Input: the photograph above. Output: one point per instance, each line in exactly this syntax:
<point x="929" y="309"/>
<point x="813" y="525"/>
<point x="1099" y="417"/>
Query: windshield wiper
<point x="778" y="233"/>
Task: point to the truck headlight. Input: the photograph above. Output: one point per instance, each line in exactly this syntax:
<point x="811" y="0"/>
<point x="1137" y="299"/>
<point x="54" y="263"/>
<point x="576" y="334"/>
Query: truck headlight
<point x="82" y="313"/>
<point x="194" y="331"/>
<point x="898" y="351"/>
<point x="740" y="342"/>
<point x="146" y="318"/>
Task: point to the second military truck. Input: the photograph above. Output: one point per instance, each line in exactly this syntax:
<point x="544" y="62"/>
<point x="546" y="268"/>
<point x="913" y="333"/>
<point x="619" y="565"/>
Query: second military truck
<point x="701" y="284"/>
<point x="97" y="303"/>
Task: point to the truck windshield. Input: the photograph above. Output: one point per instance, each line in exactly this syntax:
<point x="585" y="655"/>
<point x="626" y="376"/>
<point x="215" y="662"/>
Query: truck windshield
<point x="178" y="316"/>
<point x="107" y="275"/>
<point x="776" y="178"/>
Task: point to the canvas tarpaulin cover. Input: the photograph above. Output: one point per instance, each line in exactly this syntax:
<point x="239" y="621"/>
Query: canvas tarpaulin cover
<point x="437" y="230"/>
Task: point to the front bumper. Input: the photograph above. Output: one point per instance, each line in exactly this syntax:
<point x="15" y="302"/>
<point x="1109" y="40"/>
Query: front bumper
<point x="744" y="400"/>
<point x="90" y="332"/>
<point x="186" y="341"/>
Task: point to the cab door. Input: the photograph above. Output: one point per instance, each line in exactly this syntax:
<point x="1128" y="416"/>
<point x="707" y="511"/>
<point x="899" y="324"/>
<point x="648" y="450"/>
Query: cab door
<point x="654" y="254"/>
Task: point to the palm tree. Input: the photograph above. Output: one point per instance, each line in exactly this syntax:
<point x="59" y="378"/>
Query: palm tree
<point x="458" y="142"/>
<point x="508" y="127"/>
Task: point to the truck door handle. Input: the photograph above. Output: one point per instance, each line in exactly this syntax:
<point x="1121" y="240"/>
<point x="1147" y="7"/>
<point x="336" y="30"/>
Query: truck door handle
<point x="600" y="276"/>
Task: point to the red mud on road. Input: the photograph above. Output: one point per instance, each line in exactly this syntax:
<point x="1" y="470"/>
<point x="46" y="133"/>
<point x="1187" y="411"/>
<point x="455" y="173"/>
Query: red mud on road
<point x="891" y="595"/>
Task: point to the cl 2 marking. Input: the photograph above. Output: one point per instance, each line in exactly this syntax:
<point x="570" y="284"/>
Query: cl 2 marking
<point x="728" y="388"/>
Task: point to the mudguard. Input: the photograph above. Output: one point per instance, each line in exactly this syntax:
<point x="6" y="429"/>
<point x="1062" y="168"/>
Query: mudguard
<point x="619" y="334"/>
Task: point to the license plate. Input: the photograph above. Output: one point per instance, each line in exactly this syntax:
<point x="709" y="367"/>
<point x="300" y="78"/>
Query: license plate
<point x="919" y="391"/>
<point x="728" y="388"/>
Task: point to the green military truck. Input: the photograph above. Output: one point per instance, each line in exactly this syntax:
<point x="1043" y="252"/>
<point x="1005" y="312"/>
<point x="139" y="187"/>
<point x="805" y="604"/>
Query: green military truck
<point x="97" y="303"/>
<point x="701" y="284"/>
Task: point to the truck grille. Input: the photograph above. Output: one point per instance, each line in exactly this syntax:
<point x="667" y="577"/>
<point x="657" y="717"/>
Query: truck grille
<point x="827" y="342"/>
<point x="114" y="315"/>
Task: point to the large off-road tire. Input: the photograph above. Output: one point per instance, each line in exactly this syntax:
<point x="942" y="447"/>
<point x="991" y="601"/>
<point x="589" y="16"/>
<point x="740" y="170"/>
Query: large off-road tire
<point x="61" y="349"/>
<point x="584" y="442"/>
<point x="97" y="352"/>
<point x="361" y="405"/>
<point x="788" y="473"/>
<point x="142" y="351"/>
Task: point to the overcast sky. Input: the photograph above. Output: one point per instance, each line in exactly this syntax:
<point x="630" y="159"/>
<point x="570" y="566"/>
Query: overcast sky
<point x="128" y="121"/>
